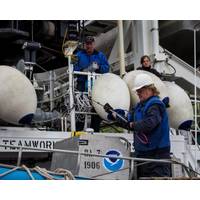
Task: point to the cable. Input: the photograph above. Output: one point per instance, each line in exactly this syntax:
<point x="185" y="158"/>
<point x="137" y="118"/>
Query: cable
<point x="50" y="49"/>
<point x="167" y="74"/>
<point x="40" y="67"/>
<point x="171" y="67"/>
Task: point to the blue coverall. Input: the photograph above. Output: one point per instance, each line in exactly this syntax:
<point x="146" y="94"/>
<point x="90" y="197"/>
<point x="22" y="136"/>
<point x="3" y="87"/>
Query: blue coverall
<point x="83" y="62"/>
<point x="151" y="135"/>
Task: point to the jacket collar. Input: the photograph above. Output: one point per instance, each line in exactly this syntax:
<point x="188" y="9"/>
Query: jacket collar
<point x="146" y="68"/>
<point x="94" y="53"/>
<point x="144" y="102"/>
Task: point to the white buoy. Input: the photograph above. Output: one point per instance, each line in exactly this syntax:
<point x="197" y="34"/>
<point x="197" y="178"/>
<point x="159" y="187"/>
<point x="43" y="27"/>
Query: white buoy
<point x="129" y="78"/>
<point x="110" y="88"/>
<point x="18" y="99"/>
<point x="180" y="110"/>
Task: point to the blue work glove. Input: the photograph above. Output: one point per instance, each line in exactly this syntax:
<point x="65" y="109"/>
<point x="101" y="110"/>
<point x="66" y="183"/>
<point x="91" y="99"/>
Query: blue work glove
<point x="107" y="107"/>
<point x="166" y="102"/>
<point x="118" y="111"/>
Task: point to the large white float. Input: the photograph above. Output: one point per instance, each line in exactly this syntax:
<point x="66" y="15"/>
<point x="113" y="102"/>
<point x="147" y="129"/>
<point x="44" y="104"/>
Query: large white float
<point x="110" y="88"/>
<point x="18" y="99"/>
<point x="180" y="110"/>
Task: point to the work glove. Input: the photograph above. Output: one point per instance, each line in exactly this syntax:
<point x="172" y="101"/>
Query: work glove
<point x="93" y="67"/>
<point x="108" y="108"/>
<point x="112" y="115"/>
<point x="166" y="102"/>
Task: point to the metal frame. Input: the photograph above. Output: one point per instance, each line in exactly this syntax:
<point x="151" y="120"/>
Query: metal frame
<point x="91" y="77"/>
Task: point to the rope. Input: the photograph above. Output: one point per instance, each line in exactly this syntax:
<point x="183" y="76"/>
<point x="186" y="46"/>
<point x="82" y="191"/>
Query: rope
<point x="10" y="171"/>
<point x="42" y="171"/>
<point x="28" y="171"/>
<point x="59" y="172"/>
<point x="67" y="174"/>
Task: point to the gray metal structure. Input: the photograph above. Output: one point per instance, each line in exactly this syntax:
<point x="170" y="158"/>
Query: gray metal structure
<point x="91" y="166"/>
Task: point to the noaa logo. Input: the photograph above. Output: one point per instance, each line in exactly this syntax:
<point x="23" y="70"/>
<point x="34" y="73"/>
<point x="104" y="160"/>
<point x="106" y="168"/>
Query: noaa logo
<point x="113" y="164"/>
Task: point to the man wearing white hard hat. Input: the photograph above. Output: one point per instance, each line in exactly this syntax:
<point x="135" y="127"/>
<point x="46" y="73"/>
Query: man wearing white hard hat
<point x="149" y="122"/>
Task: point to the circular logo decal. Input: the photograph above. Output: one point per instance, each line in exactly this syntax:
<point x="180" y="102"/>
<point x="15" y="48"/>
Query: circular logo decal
<point x="113" y="164"/>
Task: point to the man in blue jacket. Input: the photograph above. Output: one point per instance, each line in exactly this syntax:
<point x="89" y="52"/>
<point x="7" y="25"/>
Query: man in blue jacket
<point x="89" y="60"/>
<point x="149" y="122"/>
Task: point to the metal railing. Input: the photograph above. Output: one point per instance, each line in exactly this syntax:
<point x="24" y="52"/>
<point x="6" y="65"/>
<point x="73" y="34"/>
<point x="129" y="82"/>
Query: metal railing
<point x="130" y="159"/>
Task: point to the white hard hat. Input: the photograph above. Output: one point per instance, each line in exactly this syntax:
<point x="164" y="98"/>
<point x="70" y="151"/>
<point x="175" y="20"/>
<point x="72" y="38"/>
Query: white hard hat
<point x="142" y="80"/>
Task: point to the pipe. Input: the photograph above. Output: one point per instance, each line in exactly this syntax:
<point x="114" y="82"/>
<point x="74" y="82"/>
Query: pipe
<point x="195" y="98"/>
<point x="51" y="89"/>
<point x="132" y="37"/>
<point x="85" y="73"/>
<point x="62" y="124"/>
<point x="121" y="48"/>
<point x="41" y="115"/>
<point x="155" y="37"/>
<point x="19" y="157"/>
<point x="71" y="96"/>
<point x="65" y="122"/>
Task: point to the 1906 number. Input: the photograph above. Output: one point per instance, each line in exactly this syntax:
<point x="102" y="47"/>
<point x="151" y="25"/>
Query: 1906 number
<point x="91" y="165"/>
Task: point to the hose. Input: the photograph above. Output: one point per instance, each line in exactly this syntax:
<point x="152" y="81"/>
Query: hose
<point x="166" y="74"/>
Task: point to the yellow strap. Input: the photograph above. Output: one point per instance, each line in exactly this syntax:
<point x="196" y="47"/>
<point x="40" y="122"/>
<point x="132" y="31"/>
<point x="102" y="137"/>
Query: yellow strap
<point x="78" y="133"/>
